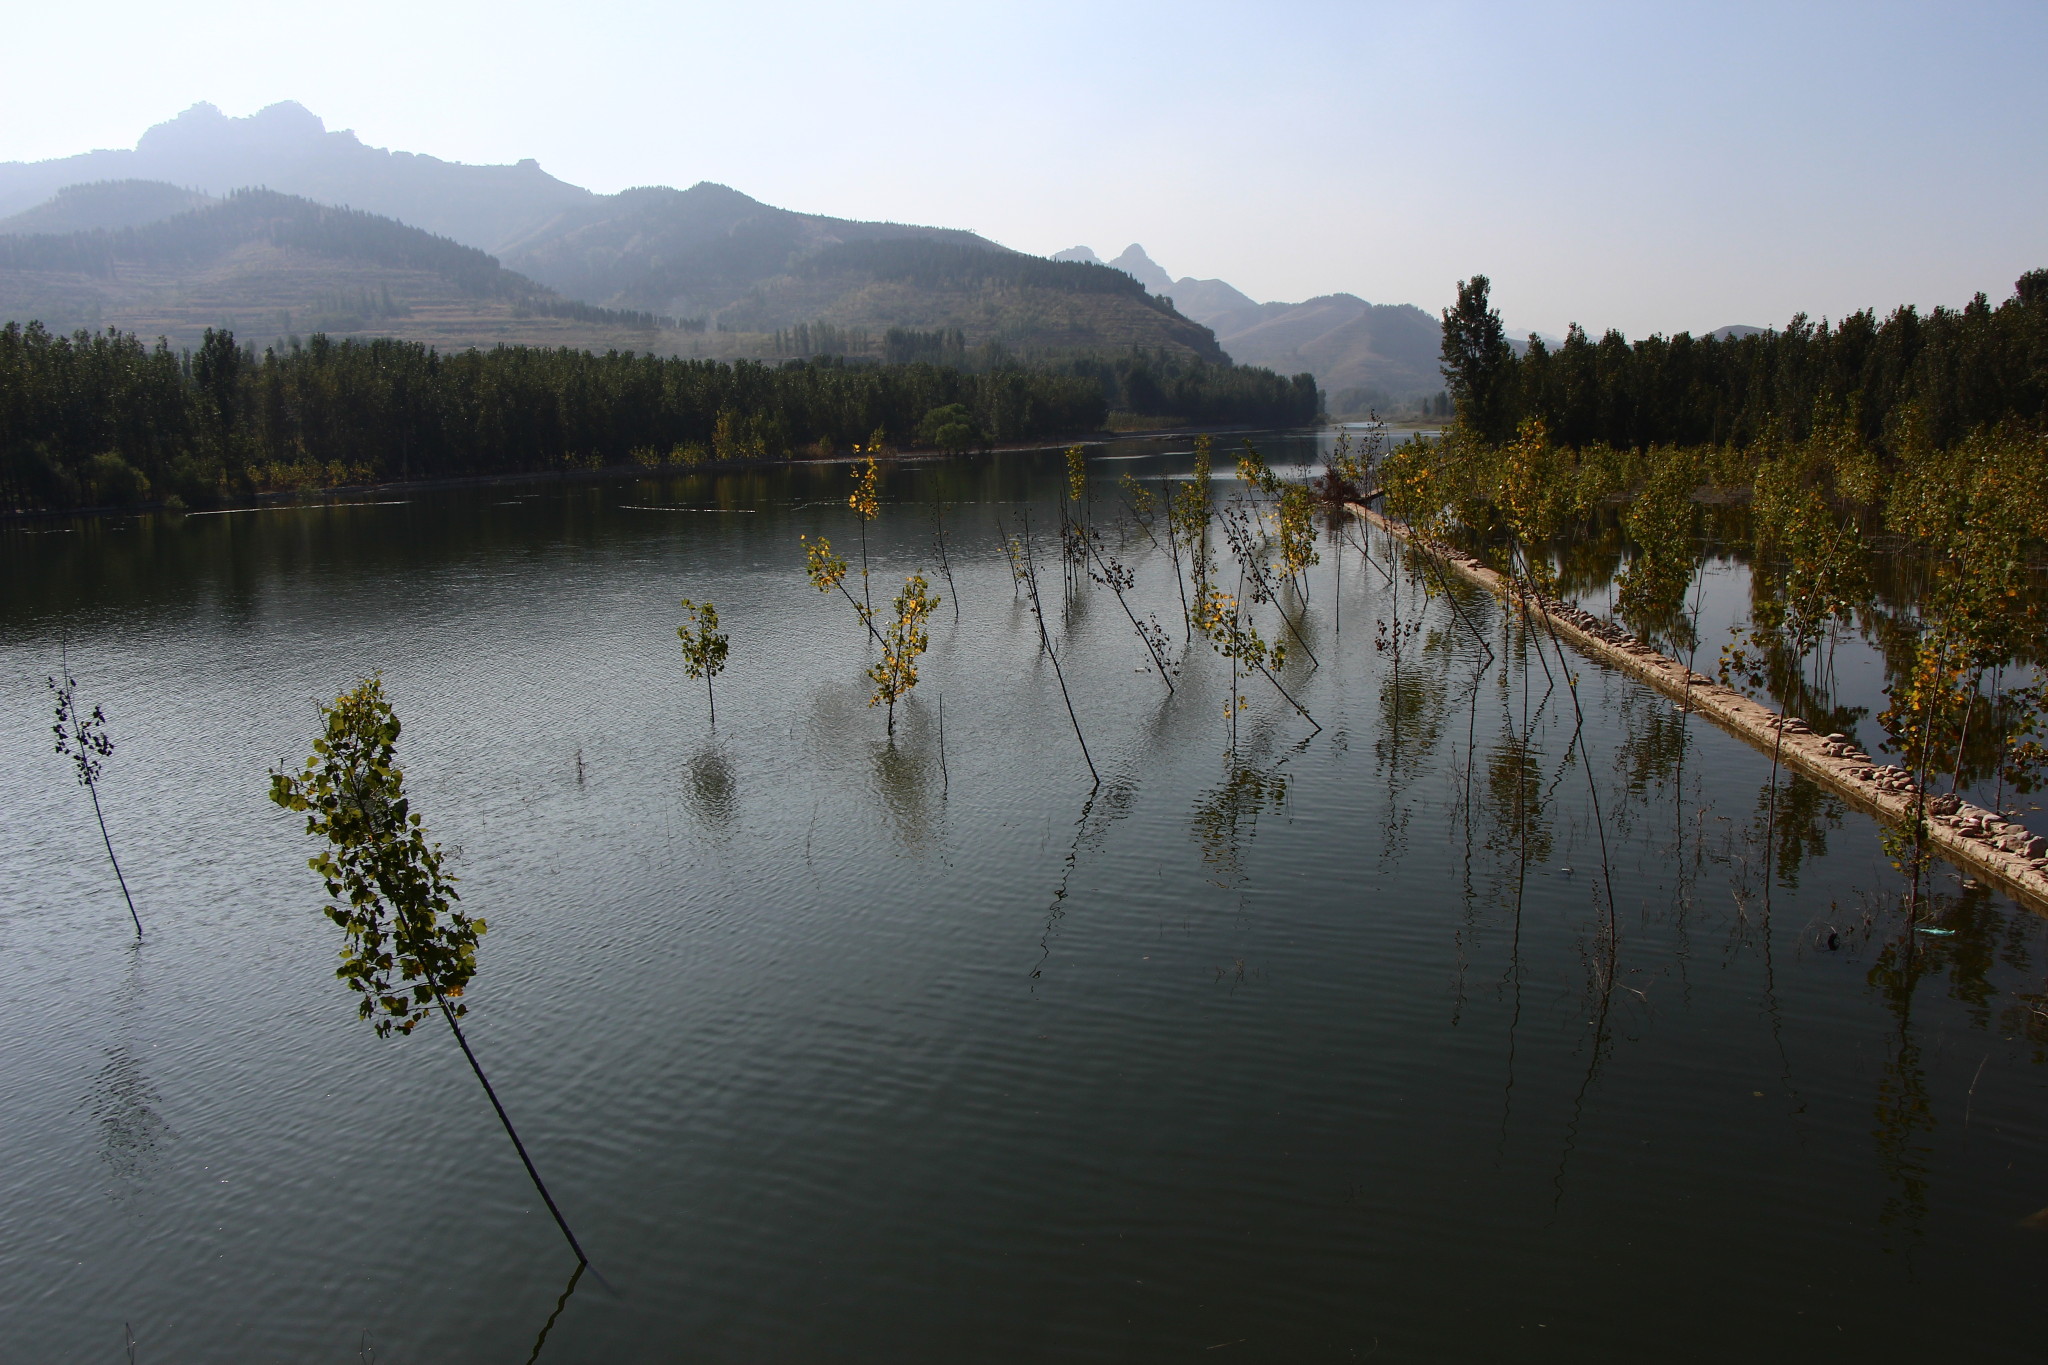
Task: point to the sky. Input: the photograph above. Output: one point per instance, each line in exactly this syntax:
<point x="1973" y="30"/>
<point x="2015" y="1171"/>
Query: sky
<point x="1650" y="167"/>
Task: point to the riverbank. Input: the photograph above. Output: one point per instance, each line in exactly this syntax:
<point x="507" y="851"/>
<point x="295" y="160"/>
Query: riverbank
<point x="290" y="497"/>
<point x="2005" y="854"/>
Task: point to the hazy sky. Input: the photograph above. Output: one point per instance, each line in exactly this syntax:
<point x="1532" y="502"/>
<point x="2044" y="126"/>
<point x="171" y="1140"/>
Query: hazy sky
<point x="1643" y="166"/>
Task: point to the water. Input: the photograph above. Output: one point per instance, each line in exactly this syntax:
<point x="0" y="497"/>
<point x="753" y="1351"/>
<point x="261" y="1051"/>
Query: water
<point x="834" y="1049"/>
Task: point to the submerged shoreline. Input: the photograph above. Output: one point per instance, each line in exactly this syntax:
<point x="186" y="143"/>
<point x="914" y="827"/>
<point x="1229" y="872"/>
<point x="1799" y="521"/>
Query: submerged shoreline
<point x="1971" y="837"/>
<point x="314" y="497"/>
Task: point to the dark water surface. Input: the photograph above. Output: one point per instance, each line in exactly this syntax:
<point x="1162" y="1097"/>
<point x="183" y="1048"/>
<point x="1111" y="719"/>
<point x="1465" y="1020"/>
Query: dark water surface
<point x="839" y="1050"/>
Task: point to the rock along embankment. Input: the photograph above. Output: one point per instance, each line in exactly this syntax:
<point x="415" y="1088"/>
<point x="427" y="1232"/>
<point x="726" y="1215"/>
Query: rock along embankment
<point x="1974" y="838"/>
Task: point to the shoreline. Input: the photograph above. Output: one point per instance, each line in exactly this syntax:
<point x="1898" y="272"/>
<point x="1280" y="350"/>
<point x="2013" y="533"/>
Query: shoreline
<point x="1975" y="839"/>
<point x="315" y="497"/>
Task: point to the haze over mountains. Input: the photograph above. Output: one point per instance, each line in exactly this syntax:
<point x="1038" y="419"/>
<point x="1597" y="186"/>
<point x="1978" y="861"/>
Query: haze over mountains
<point x="1363" y="355"/>
<point x="168" y="246"/>
<point x="715" y="272"/>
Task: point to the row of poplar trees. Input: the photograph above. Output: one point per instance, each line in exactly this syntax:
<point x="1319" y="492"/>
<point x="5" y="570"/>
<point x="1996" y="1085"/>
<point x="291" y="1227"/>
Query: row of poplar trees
<point x="99" y="419"/>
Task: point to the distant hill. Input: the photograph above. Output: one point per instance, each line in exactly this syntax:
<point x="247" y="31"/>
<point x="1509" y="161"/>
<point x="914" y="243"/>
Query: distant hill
<point x="1363" y="355"/>
<point x="105" y="204"/>
<point x="287" y="148"/>
<point x="749" y="267"/>
<point x="691" y="251"/>
<point x="271" y="265"/>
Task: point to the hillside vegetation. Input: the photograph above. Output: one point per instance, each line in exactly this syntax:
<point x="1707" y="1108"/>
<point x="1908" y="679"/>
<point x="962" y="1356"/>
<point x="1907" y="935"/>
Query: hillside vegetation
<point x="107" y="419"/>
<point x="275" y="265"/>
<point x="104" y="204"/>
<point x="750" y="269"/>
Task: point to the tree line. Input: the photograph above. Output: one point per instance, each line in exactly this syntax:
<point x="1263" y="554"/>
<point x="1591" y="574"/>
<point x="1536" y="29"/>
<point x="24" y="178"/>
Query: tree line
<point x="1944" y="374"/>
<point x="105" y="418"/>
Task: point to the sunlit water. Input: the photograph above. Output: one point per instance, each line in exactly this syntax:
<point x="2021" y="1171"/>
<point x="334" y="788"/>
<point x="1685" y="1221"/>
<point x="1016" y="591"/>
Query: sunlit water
<point x="838" y="1049"/>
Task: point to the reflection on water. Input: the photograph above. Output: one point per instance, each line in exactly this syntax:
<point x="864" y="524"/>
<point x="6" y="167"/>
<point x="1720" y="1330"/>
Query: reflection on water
<point x="713" y="788"/>
<point x="575" y="1277"/>
<point x="1226" y="817"/>
<point x="124" y="1104"/>
<point x="1606" y="1027"/>
<point x="907" y="779"/>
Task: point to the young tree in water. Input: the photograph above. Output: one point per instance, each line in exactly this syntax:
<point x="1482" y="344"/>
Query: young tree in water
<point x="826" y="568"/>
<point x="409" y="949"/>
<point x="866" y="506"/>
<point x="1188" y="522"/>
<point x="903" y="640"/>
<point x="1222" y="621"/>
<point x="704" y="647"/>
<point x="84" y="740"/>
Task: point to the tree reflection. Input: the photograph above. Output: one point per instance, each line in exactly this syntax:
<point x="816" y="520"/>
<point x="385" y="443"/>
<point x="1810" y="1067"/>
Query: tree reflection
<point x="1104" y="806"/>
<point x="1792" y="820"/>
<point x="560" y="1304"/>
<point x="1517" y="824"/>
<point x="1903" y="1113"/>
<point x="904" y="777"/>
<point x="1226" y="818"/>
<point x="712" y="790"/>
<point x="124" y="1105"/>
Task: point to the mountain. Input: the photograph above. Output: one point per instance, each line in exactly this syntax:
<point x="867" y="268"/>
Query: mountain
<point x="1221" y="308"/>
<point x="743" y="269"/>
<point x="1363" y="355"/>
<point x="1134" y="262"/>
<point x="712" y="252"/>
<point x="289" y="149"/>
<point x="687" y="252"/>
<point x="269" y="265"/>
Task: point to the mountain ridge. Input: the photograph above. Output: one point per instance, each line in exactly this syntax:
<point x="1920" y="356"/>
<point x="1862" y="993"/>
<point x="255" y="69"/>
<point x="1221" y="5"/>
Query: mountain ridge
<point x="288" y="148"/>
<point x="746" y="269"/>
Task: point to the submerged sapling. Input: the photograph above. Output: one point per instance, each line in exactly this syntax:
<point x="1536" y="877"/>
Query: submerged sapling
<point x="903" y="640"/>
<point x="84" y="740"/>
<point x="704" y="647"/>
<point x="409" y="949"/>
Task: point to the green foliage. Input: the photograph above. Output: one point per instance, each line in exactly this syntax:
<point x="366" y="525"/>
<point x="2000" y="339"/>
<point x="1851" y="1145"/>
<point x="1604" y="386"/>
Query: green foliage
<point x="1155" y="382"/>
<point x="408" y="948"/>
<point x="1940" y="375"/>
<point x="949" y="428"/>
<point x="704" y="645"/>
<point x="1188" y="517"/>
<point x="201" y="424"/>
<point x="1661" y="522"/>
<point x="1477" y="362"/>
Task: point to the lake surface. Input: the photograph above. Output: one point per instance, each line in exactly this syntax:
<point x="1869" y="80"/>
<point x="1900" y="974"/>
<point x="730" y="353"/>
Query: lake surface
<point x="1326" y="1048"/>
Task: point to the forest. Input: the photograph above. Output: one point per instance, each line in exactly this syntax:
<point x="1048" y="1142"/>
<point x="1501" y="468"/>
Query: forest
<point x="107" y="419"/>
<point x="1942" y="375"/>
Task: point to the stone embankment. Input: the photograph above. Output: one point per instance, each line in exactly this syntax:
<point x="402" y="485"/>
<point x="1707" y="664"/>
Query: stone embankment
<point x="1977" y="839"/>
